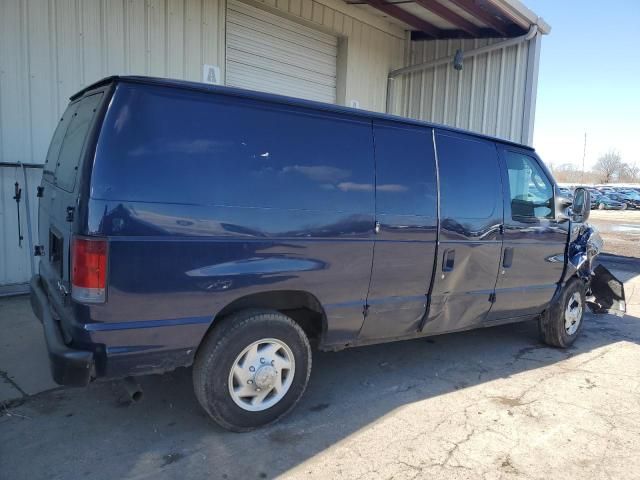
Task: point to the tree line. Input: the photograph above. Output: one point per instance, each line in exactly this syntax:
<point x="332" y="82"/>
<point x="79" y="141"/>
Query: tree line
<point x="609" y="168"/>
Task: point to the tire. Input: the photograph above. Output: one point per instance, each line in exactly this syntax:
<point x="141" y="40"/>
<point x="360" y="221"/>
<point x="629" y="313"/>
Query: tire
<point x="261" y="340"/>
<point x="562" y="322"/>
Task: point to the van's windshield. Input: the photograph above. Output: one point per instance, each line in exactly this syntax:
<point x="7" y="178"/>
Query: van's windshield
<point x="63" y="157"/>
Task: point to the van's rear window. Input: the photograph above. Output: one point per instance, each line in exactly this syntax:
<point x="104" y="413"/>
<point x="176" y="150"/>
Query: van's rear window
<point x="63" y="158"/>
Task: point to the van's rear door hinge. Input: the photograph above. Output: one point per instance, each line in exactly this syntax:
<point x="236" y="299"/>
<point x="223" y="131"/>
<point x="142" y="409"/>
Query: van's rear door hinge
<point x="365" y="310"/>
<point x="492" y="297"/>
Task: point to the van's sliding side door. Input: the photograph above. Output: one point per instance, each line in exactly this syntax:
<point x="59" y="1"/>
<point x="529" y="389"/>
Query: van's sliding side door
<point x="470" y="239"/>
<point x="406" y="229"/>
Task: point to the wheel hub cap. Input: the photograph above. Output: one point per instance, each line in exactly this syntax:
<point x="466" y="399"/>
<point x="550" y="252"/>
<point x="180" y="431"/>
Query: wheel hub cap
<point x="573" y="314"/>
<point x="261" y="374"/>
<point x="265" y="377"/>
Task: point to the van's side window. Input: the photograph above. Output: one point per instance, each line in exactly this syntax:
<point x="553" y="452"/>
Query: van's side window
<point x="51" y="162"/>
<point x="469" y="178"/>
<point x="75" y="136"/>
<point x="531" y="192"/>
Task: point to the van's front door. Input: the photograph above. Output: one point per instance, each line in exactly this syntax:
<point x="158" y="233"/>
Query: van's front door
<point x="470" y="238"/>
<point x="534" y="246"/>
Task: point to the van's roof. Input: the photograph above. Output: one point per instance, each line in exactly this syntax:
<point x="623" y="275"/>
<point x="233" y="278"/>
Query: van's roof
<point x="268" y="97"/>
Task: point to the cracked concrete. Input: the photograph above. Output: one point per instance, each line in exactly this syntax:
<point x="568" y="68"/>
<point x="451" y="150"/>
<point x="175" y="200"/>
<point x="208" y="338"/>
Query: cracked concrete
<point x="490" y="404"/>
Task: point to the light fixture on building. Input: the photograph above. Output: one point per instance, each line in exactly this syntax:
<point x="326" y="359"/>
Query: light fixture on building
<point x="458" y="59"/>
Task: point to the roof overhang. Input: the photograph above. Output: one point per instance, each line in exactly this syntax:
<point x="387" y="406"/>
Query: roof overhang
<point x="435" y="19"/>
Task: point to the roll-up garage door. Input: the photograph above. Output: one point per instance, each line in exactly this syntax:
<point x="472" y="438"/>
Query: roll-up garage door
<point x="272" y="54"/>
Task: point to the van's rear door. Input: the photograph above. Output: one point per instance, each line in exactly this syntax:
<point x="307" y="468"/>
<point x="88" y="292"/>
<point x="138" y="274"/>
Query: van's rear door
<point x="61" y="187"/>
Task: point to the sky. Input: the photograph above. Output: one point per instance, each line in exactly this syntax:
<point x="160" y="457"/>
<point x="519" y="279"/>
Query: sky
<point x="589" y="80"/>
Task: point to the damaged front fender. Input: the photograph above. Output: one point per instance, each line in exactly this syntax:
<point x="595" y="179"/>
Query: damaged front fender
<point x="605" y="293"/>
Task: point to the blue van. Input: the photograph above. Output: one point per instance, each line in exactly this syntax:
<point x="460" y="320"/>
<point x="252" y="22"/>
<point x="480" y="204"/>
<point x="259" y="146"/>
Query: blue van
<point x="184" y="224"/>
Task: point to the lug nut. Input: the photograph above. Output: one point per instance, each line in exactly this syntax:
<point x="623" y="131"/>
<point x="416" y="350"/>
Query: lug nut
<point x="249" y="382"/>
<point x="258" y="389"/>
<point x="262" y="360"/>
<point x="272" y="362"/>
<point x="252" y="369"/>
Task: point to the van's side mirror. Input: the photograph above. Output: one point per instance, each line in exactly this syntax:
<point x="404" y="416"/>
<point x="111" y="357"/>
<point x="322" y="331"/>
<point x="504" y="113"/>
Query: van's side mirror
<point x="581" y="207"/>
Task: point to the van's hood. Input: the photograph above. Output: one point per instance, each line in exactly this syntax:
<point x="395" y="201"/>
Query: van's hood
<point x="605" y="293"/>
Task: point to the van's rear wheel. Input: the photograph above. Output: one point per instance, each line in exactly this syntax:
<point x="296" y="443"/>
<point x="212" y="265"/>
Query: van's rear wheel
<point x="252" y="369"/>
<point x="562" y="322"/>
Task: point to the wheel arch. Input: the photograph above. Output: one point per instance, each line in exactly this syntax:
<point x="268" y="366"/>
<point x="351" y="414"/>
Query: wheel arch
<point x="301" y="306"/>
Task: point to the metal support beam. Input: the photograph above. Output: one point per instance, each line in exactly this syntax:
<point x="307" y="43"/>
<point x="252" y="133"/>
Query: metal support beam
<point x="531" y="90"/>
<point x="533" y="32"/>
<point x="472" y="7"/>
<point x="404" y="16"/>
<point x="451" y="17"/>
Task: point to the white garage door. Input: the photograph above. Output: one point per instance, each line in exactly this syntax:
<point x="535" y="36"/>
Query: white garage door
<point x="272" y="54"/>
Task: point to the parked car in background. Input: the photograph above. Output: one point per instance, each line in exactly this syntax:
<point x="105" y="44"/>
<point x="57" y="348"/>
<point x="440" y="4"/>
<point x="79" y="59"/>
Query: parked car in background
<point x="565" y="192"/>
<point x="604" y="202"/>
<point x="631" y="193"/>
<point x="628" y="200"/>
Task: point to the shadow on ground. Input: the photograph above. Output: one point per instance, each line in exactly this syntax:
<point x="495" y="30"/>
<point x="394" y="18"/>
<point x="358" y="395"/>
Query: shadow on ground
<point x="76" y="433"/>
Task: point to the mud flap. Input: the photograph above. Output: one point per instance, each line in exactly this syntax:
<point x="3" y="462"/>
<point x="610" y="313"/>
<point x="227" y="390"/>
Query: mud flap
<point x="607" y="293"/>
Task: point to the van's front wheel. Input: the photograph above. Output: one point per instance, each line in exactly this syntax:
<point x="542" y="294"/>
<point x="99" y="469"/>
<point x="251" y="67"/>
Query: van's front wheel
<point x="252" y="369"/>
<point x="562" y="322"/>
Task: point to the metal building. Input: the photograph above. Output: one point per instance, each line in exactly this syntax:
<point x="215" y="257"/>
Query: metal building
<point x="468" y="63"/>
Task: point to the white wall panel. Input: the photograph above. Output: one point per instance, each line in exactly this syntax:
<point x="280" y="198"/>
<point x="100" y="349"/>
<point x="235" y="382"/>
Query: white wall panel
<point x="51" y="49"/>
<point x="486" y="96"/>
<point x="15" y="259"/>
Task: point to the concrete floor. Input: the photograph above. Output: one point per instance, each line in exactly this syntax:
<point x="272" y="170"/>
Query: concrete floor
<point x="490" y="403"/>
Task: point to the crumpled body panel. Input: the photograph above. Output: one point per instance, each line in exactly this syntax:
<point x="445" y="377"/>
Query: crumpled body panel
<point x="605" y="293"/>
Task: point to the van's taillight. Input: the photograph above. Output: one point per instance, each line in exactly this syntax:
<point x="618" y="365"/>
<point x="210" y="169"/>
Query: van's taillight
<point x="88" y="270"/>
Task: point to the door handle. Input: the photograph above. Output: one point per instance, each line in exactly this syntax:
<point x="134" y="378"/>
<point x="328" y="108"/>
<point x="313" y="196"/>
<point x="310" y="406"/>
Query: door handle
<point x="507" y="257"/>
<point x="448" y="260"/>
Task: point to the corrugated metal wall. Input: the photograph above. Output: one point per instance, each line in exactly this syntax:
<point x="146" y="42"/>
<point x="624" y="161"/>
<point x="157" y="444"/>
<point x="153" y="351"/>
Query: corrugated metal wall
<point x="15" y="259"/>
<point x="487" y="95"/>
<point x="49" y="50"/>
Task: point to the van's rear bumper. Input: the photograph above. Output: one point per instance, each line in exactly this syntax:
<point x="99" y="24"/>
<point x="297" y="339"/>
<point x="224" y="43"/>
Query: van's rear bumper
<point x="68" y="365"/>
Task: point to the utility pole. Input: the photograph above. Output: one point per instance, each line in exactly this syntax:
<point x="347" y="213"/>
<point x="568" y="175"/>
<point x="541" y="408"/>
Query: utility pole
<point x="584" y="154"/>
